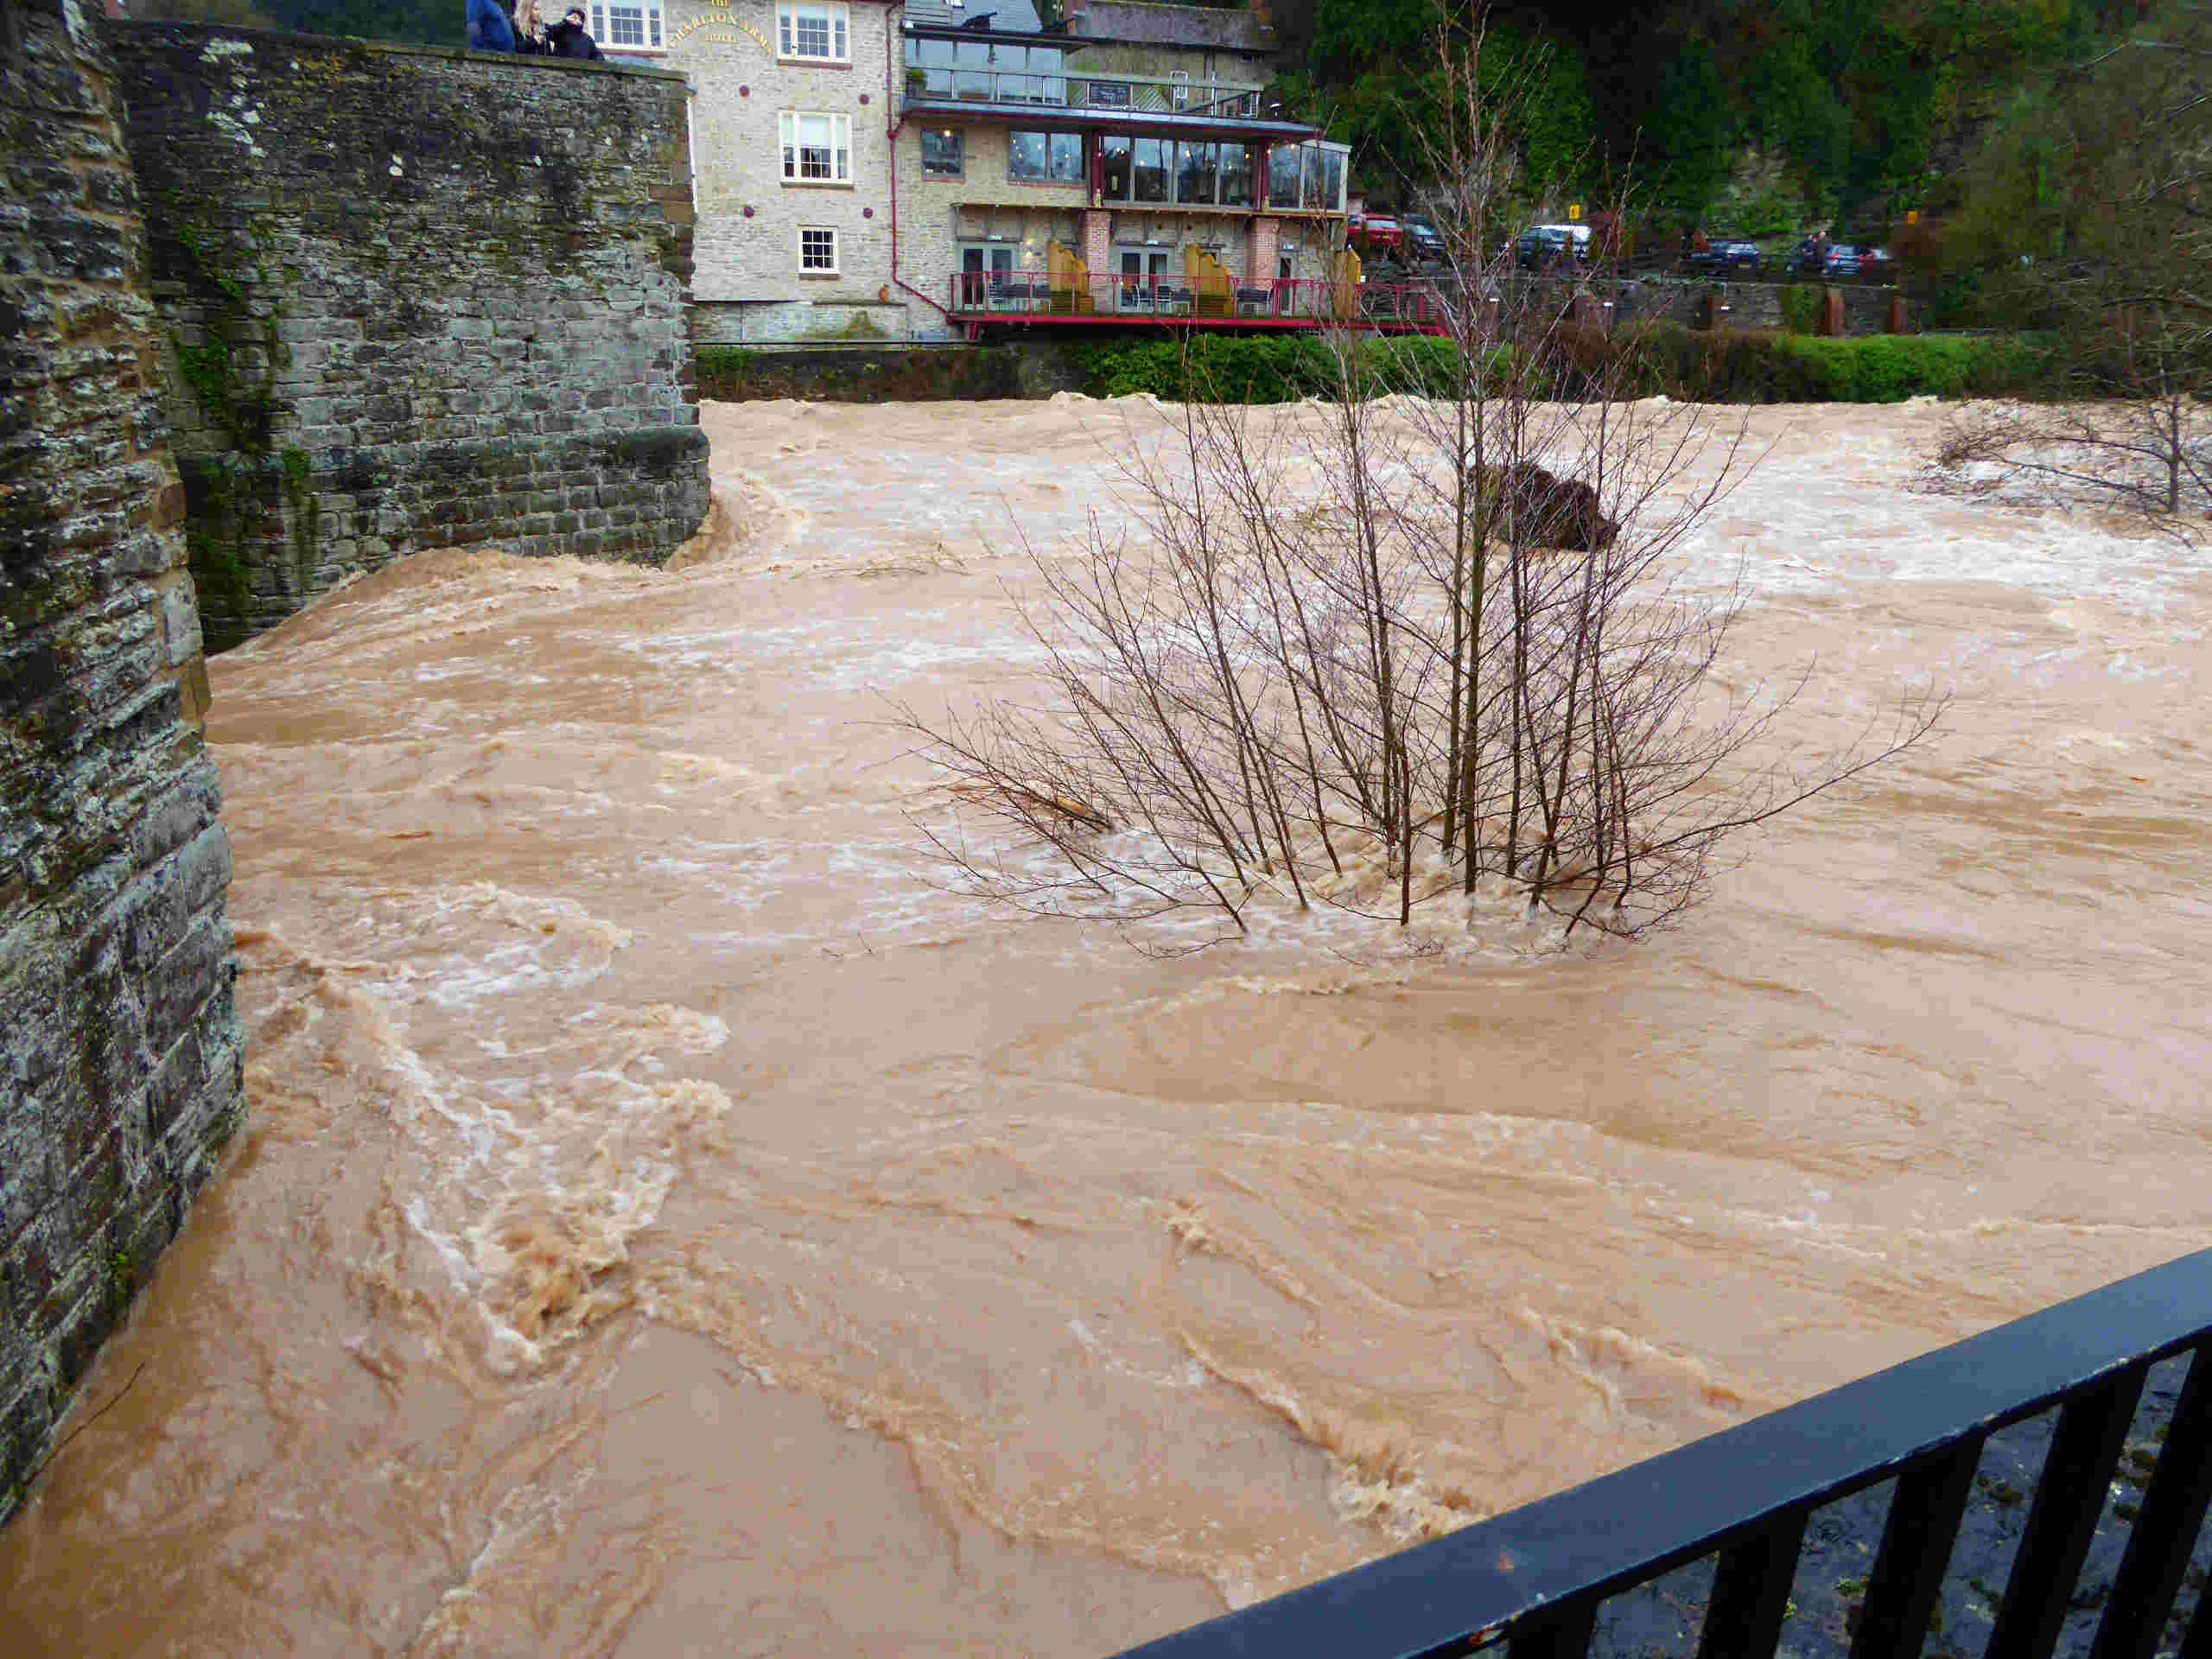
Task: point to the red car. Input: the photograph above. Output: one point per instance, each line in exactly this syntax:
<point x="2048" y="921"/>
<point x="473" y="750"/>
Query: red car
<point x="1373" y="234"/>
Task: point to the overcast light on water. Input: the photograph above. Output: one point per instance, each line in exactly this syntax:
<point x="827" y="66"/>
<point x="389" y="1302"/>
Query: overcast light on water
<point x="672" y="1223"/>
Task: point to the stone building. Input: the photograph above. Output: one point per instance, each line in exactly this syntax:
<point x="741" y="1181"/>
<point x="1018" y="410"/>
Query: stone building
<point x="865" y="170"/>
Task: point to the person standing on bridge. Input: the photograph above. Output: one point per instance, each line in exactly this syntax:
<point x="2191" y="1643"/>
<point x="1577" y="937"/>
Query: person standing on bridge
<point x="569" y="39"/>
<point x="530" y="30"/>
<point x="488" y="27"/>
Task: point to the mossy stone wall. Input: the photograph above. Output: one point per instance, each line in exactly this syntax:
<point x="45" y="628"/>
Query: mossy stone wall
<point x="120" y="1051"/>
<point x="412" y="298"/>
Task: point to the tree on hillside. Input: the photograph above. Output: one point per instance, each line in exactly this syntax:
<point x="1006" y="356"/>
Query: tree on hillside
<point x="2088" y="212"/>
<point x="1374" y="79"/>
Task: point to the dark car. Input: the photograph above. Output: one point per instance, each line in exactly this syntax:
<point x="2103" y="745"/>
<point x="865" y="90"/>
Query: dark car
<point x="1551" y="245"/>
<point x="1423" y="239"/>
<point x="1719" y="259"/>
<point x="1877" y="264"/>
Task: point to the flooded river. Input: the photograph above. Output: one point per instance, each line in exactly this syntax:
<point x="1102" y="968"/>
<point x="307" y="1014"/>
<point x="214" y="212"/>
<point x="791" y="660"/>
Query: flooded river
<point x="671" y="1224"/>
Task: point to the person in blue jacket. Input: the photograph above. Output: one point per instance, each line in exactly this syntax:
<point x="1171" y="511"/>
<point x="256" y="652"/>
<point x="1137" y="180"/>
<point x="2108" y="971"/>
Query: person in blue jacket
<point x="488" y="27"/>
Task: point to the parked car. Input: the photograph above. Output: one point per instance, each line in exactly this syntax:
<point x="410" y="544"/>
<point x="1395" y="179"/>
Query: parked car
<point x="1550" y="245"/>
<point x="1877" y="264"/>
<point x="1719" y="258"/>
<point x="1423" y="239"/>
<point x="1831" y="260"/>
<point x="1374" y="233"/>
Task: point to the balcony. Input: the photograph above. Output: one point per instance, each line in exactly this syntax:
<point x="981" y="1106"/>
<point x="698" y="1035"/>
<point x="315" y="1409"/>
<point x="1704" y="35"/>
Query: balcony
<point x="943" y="87"/>
<point x="980" y="298"/>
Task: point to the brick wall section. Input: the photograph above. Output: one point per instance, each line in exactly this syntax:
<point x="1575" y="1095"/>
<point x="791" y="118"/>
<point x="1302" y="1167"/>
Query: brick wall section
<point x="119" y="1045"/>
<point x="412" y="298"/>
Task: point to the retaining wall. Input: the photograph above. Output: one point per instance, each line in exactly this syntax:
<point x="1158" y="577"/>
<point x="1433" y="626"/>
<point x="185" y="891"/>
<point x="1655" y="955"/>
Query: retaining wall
<point x="411" y="298"/>
<point x="120" y="1052"/>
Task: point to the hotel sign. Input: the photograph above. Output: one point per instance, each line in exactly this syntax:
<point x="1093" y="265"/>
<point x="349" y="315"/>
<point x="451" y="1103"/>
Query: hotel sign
<point x="721" y="29"/>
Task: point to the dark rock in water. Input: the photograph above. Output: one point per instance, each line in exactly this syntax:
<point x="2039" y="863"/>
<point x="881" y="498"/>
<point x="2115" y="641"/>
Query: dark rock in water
<point x="1548" y="510"/>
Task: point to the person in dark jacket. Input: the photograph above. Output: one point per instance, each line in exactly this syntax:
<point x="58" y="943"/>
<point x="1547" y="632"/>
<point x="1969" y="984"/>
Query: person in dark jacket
<point x="530" y="30"/>
<point x="568" y="39"/>
<point x="488" y="27"/>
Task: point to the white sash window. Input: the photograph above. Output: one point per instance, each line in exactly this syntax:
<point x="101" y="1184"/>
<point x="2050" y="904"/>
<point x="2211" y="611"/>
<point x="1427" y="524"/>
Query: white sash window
<point x="809" y="29"/>
<point x="625" y="25"/>
<point x="816" y="149"/>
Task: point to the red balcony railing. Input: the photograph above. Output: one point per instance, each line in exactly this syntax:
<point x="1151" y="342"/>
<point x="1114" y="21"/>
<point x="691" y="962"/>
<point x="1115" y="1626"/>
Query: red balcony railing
<point x="1040" y="296"/>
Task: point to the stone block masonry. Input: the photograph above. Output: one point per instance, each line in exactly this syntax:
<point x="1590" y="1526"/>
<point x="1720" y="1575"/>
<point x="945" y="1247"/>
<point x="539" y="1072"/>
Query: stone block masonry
<point x="120" y="1052"/>
<point x="412" y="298"/>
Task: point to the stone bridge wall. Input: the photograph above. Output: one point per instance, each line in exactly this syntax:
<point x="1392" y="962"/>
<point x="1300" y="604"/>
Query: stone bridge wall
<point x="119" y="1045"/>
<point x="412" y="298"/>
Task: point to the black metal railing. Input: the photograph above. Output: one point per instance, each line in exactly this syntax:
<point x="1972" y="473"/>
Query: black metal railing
<point x="1534" y="1579"/>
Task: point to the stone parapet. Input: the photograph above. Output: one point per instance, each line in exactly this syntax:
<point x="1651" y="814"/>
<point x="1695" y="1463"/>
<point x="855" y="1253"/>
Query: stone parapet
<point x="374" y="264"/>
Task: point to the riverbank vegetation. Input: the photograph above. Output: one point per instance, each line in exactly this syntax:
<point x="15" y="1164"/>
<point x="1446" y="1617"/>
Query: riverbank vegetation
<point x="1390" y="654"/>
<point x="1660" y="359"/>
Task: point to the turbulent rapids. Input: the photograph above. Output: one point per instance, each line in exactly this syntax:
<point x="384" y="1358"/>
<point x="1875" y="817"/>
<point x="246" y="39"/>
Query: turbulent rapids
<point x="673" y="1221"/>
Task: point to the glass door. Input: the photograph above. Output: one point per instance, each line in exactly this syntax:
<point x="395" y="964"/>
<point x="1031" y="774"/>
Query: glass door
<point x="985" y="272"/>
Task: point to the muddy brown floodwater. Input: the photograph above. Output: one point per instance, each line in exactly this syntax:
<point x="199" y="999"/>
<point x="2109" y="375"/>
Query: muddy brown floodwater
<point x="669" y="1223"/>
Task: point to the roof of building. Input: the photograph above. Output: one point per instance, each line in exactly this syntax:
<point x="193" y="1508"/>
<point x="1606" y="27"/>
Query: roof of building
<point x="1008" y="16"/>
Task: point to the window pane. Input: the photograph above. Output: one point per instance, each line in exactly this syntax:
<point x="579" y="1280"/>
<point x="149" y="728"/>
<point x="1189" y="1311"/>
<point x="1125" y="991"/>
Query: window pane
<point x="813" y="34"/>
<point x="814" y="144"/>
<point x="943" y="153"/>
<point x="1045" y="85"/>
<point x="1027" y="155"/>
<point x="1333" y="181"/>
<point x="1236" y="175"/>
<point x="1196" y="165"/>
<point x="625" y="25"/>
<point x="1115" y="147"/>
<point x="1150" y="181"/>
<point x="1282" y="176"/>
<point x="1067" y="157"/>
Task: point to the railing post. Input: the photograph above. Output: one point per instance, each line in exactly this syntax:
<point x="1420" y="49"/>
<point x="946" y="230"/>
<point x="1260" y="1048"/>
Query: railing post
<point x="1750" y="1593"/>
<point x="2164" y="1533"/>
<point x="1566" y="1637"/>
<point x="1916" y="1540"/>
<point x="2076" y="1472"/>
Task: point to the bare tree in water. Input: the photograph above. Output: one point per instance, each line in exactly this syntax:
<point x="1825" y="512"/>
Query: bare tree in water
<point x="2090" y="216"/>
<point x="1380" y="649"/>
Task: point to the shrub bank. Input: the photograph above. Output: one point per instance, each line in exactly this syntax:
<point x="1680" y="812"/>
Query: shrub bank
<point x="738" y="374"/>
<point x="1724" y="365"/>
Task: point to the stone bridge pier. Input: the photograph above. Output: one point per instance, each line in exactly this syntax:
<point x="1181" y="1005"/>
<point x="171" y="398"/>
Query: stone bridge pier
<point x="120" y="1052"/>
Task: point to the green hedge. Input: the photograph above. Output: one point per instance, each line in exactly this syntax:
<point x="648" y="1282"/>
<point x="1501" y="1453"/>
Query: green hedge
<point x="1258" y="368"/>
<point x="1724" y="365"/>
